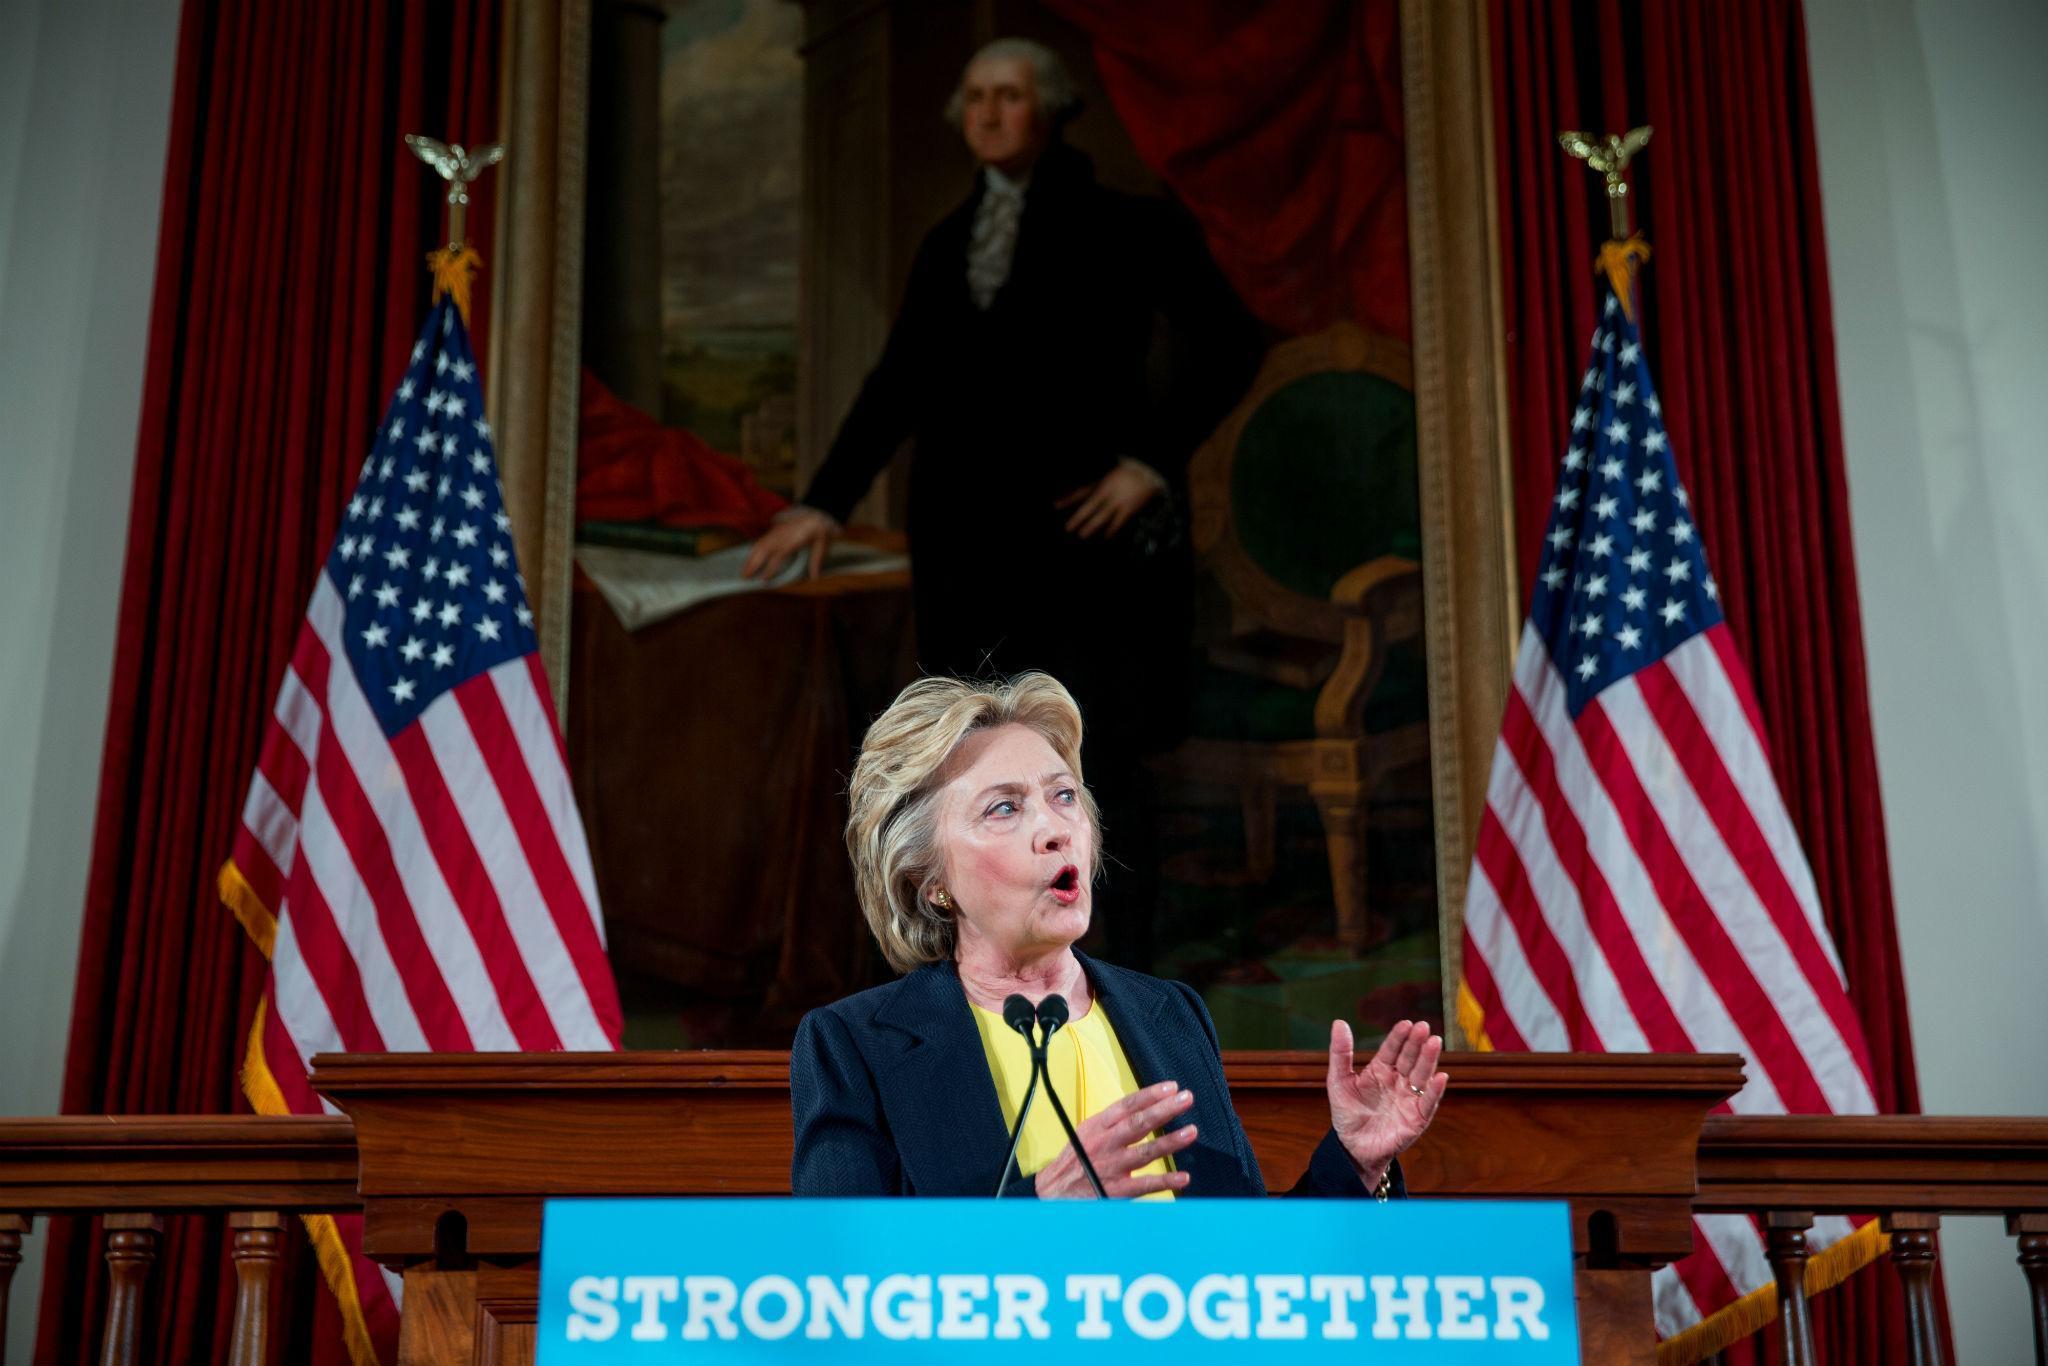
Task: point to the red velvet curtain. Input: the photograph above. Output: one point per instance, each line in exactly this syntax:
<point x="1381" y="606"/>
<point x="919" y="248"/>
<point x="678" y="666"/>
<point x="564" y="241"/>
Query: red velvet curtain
<point x="289" y="284"/>
<point x="1280" y="128"/>
<point x="1740" y="338"/>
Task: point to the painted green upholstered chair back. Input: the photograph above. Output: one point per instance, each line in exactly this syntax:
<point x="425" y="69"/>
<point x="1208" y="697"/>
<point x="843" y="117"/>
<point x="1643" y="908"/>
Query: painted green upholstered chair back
<point x="1312" y="477"/>
<point x="1323" y="479"/>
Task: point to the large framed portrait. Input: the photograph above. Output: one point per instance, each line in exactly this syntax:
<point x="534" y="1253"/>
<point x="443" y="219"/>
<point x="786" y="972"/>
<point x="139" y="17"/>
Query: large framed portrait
<point x="709" y="216"/>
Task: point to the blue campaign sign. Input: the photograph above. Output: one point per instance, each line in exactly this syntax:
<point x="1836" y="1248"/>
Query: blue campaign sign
<point x="960" y="1281"/>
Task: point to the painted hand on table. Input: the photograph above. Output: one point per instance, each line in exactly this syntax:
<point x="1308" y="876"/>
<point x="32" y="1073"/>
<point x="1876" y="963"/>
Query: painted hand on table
<point x="795" y="528"/>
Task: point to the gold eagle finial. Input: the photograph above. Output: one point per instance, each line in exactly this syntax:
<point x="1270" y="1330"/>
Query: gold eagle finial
<point x="1610" y="157"/>
<point x="459" y="167"/>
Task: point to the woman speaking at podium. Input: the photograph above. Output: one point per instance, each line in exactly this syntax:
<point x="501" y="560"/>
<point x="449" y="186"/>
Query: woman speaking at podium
<point x="974" y="844"/>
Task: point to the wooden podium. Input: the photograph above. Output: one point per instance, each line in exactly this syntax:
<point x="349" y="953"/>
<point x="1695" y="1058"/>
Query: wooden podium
<point x="458" y="1151"/>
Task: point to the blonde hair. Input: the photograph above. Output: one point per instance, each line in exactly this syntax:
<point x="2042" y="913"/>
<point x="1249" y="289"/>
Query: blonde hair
<point x="892" y="827"/>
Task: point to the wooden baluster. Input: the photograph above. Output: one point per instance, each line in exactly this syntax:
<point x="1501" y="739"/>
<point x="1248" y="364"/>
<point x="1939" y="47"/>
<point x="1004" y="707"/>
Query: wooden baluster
<point x="12" y="1227"/>
<point x="258" y="1239"/>
<point x="2032" y="1231"/>
<point x="132" y="1241"/>
<point x="1785" y="1237"/>
<point x="1913" y="1255"/>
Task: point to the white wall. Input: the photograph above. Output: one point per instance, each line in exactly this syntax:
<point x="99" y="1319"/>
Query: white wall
<point x="1931" y="118"/>
<point x="85" y="90"/>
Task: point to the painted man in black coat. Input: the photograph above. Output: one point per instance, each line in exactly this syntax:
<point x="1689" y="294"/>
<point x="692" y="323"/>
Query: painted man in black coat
<point x="1061" y="351"/>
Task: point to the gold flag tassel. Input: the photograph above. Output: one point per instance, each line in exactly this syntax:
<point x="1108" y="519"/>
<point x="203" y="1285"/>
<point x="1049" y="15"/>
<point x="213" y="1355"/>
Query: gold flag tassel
<point x="454" y="267"/>
<point x="1621" y="261"/>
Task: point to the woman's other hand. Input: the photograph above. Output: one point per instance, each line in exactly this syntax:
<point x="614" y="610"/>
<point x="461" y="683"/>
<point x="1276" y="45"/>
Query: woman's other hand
<point x="1382" y="1107"/>
<point x="1116" y="1144"/>
<point x="794" y="528"/>
<point x="1111" y="501"/>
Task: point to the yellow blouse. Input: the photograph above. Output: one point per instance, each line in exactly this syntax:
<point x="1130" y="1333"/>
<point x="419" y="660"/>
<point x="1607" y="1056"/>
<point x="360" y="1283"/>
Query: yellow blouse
<point x="1085" y="1062"/>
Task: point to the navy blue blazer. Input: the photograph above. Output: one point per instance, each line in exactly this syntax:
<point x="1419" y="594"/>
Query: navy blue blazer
<point x="891" y="1093"/>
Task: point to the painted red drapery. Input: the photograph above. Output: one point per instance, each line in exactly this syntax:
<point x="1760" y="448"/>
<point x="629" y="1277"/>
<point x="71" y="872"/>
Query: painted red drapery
<point x="290" y="280"/>
<point x="1740" y="332"/>
<point x="1280" y="128"/>
<point x="631" y="468"/>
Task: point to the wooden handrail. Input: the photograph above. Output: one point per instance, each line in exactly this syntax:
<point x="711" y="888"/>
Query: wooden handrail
<point x="1908" y="1170"/>
<point x="168" y="1164"/>
<point x="134" y="1169"/>
<point x="1936" y="1164"/>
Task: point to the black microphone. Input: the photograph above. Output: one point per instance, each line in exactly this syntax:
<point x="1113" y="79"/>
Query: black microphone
<point x="1052" y="1013"/>
<point x="1018" y="1015"/>
<point x="1052" y="1017"/>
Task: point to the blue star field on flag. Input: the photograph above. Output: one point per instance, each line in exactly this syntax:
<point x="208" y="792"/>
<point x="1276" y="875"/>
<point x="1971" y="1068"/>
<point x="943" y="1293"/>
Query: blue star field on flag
<point x="424" y="557"/>
<point x="1623" y="579"/>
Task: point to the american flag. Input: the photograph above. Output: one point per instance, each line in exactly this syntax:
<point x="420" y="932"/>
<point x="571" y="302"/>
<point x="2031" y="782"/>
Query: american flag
<point x="1638" y="885"/>
<point x="410" y="855"/>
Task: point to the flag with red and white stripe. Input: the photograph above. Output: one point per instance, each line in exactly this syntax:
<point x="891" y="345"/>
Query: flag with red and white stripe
<point x="1638" y="885"/>
<point x="410" y="856"/>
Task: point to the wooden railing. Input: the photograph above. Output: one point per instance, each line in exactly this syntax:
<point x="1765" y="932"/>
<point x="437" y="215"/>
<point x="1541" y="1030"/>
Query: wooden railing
<point x="134" y="1170"/>
<point x="473" y="1145"/>
<point x="1908" y="1171"/>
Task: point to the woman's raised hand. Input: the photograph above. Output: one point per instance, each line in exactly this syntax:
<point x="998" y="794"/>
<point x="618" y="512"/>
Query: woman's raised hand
<point x="1382" y="1107"/>
<point x="795" y="528"/>
<point x="1116" y="1144"/>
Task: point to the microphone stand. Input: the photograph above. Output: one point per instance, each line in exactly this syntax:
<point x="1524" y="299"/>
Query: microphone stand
<point x="1018" y="1014"/>
<point x="1052" y="1013"/>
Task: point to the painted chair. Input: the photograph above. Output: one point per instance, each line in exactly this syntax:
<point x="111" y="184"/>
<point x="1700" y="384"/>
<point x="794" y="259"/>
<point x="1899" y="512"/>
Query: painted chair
<point x="1305" y="513"/>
